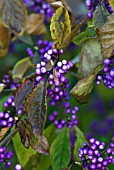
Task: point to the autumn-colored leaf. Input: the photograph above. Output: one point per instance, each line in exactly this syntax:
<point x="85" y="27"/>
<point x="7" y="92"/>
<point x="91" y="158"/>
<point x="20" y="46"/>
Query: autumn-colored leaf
<point x="106" y="37"/>
<point x="35" y="24"/>
<point x="111" y="2"/>
<point x="35" y="107"/>
<point x="37" y="142"/>
<point x="90" y="58"/>
<point x="13" y="14"/>
<point x="4" y="40"/>
<point x="83" y="88"/>
<point x="23" y="90"/>
<point x="3" y="131"/>
<point x="60" y="27"/>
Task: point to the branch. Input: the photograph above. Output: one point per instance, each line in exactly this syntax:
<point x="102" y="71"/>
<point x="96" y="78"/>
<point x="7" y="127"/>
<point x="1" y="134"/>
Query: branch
<point x="8" y="138"/>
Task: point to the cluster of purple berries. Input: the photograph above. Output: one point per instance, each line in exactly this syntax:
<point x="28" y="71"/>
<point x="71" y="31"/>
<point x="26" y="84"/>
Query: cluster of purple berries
<point x="93" y="4"/>
<point x="70" y="119"/>
<point x="108" y="77"/>
<point x="44" y="46"/>
<point x="6" y="120"/>
<point x="5" y="158"/>
<point x="7" y="81"/>
<point x="58" y="87"/>
<point x="39" y="6"/>
<point x="94" y="156"/>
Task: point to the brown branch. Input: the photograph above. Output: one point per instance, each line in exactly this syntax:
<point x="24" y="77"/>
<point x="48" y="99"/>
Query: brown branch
<point x="8" y="138"/>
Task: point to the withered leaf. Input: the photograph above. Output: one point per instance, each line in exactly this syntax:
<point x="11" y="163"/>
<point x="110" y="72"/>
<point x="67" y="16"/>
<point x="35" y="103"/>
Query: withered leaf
<point x="35" y="24"/>
<point x="13" y="14"/>
<point x="4" y="40"/>
<point x="37" y="142"/>
<point x="106" y="37"/>
<point x="3" y="132"/>
<point x="83" y="88"/>
<point x="60" y="27"/>
<point x="100" y="16"/>
<point x="90" y="57"/>
<point x="23" y="90"/>
<point x="35" y="107"/>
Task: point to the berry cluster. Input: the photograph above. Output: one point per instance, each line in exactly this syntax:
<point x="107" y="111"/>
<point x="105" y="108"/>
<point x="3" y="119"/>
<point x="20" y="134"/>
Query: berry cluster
<point x="108" y="77"/>
<point x="94" y="156"/>
<point x="93" y="4"/>
<point x="57" y="89"/>
<point x="5" y="157"/>
<point x="44" y="46"/>
<point x="39" y="6"/>
<point x="6" y="120"/>
<point x="70" y="119"/>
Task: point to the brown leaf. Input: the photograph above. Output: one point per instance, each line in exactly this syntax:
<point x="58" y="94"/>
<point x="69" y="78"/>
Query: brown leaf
<point x="83" y="88"/>
<point x="106" y="37"/>
<point x="3" y="131"/>
<point x="35" y="24"/>
<point x="13" y="14"/>
<point x="37" y="142"/>
<point x="24" y="89"/>
<point x="90" y="58"/>
<point x="35" y="107"/>
<point x="4" y="40"/>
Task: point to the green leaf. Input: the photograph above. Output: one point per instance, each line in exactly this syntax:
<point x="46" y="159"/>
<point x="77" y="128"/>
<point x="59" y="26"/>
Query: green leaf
<point x="1" y="87"/>
<point x="88" y="33"/>
<point x="100" y="16"/>
<point x="13" y="14"/>
<point x="111" y="3"/>
<point x="60" y="27"/>
<point x="60" y="150"/>
<point x="20" y="68"/>
<point x="79" y="142"/>
<point x="90" y="58"/>
<point x="23" y="154"/>
<point x="50" y="133"/>
<point x="40" y="162"/>
<point x="82" y="89"/>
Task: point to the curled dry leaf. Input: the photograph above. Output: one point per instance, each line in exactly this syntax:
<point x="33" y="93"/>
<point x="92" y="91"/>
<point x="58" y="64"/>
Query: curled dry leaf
<point x="90" y="58"/>
<point x="23" y="90"/>
<point x="83" y="88"/>
<point x="13" y="14"/>
<point x="35" y="107"/>
<point x="35" y="24"/>
<point x="4" y="40"/>
<point x="106" y="37"/>
<point x="37" y="142"/>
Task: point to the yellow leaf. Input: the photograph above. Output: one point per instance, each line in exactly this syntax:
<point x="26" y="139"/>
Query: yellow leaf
<point x="111" y="2"/>
<point x="35" y="24"/>
<point x="60" y="27"/>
